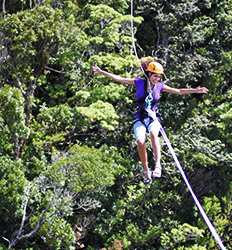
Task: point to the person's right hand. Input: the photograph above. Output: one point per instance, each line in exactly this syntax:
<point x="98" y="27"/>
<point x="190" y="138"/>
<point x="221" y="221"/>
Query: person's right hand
<point x="96" y="69"/>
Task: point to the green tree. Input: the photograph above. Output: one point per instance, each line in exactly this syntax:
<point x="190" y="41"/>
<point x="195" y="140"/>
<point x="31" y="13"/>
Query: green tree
<point x="69" y="174"/>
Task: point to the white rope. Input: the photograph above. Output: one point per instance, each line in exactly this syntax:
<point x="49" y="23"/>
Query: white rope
<point x="209" y="224"/>
<point x="135" y="50"/>
<point x="153" y="115"/>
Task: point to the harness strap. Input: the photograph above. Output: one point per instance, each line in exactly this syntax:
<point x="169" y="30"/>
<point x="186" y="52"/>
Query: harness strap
<point x="148" y="101"/>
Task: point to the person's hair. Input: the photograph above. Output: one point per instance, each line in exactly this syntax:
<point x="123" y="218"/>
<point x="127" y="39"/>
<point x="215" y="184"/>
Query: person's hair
<point x="144" y="61"/>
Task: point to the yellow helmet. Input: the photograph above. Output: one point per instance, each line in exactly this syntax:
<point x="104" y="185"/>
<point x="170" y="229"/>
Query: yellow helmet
<point x="155" y="67"/>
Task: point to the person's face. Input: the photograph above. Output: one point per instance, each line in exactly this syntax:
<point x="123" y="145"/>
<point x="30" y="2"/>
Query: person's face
<point x="154" y="78"/>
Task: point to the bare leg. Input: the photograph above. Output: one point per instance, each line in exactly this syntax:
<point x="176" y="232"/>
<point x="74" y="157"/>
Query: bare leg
<point x="142" y="151"/>
<point x="156" y="147"/>
<point x="140" y="133"/>
<point x="156" y="154"/>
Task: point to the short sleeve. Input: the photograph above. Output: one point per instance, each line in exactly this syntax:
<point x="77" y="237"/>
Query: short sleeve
<point x="161" y="87"/>
<point x="138" y="81"/>
<point x="140" y="88"/>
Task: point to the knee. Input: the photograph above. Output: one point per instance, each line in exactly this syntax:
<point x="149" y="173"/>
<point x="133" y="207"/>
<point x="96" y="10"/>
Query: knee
<point x="141" y="142"/>
<point x="155" y="139"/>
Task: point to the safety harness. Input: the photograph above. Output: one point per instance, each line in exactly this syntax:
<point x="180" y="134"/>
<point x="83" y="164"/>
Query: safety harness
<point x="145" y="103"/>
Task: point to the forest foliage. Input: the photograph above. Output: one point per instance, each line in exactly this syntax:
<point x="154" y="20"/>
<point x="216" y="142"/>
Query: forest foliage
<point x="69" y="175"/>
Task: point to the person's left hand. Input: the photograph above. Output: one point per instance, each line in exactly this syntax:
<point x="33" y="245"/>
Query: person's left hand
<point x="201" y="90"/>
<point x="96" y="70"/>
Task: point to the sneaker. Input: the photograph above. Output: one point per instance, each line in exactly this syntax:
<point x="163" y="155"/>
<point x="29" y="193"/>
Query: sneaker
<point x="157" y="172"/>
<point x="147" y="177"/>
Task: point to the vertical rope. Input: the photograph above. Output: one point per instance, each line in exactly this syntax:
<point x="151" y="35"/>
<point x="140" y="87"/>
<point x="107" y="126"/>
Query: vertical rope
<point x="153" y="115"/>
<point x="134" y="47"/>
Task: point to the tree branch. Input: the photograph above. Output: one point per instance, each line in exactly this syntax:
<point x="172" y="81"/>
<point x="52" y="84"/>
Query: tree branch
<point x="54" y="70"/>
<point x="20" y="236"/>
<point x="27" y="195"/>
<point x="24" y="205"/>
<point x="29" y="93"/>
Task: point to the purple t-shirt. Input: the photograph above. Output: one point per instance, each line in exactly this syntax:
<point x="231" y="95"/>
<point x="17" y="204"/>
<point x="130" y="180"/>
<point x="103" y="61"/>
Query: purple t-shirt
<point x="141" y="94"/>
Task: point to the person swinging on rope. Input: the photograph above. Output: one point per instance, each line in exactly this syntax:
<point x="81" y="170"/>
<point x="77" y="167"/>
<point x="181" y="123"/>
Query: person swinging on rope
<point x="147" y="94"/>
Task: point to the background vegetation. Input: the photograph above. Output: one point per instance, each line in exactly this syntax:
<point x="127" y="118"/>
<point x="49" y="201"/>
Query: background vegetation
<point x="69" y="177"/>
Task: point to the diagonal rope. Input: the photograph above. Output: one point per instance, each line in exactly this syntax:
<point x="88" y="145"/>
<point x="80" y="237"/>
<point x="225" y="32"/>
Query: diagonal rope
<point x="153" y="115"/>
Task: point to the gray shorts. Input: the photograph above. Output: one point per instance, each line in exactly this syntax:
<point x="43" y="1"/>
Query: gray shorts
<point x="141" y="127"/>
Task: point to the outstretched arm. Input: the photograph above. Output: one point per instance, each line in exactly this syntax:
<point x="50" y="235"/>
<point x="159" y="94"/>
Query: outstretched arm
<point x="116" y="78"/>
<point x="185" y="91"/>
